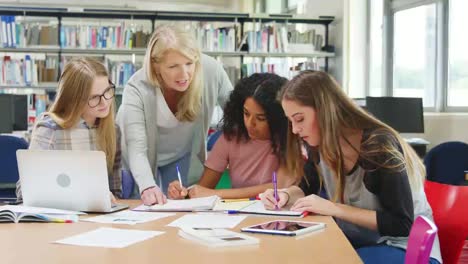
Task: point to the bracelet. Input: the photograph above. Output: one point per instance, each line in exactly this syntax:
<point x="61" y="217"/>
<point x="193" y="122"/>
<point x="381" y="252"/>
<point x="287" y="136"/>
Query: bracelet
<point x="287" y="195"/>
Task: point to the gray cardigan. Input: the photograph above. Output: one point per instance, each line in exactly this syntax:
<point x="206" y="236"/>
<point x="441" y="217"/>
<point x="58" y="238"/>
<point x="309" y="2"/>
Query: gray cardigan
<point x="137" y="120"/>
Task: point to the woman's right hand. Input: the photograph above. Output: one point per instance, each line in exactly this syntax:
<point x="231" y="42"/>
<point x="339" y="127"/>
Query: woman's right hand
<point x="174" y="191"/>
<point x="153" y="195"/>
<point x="269" y="201"/>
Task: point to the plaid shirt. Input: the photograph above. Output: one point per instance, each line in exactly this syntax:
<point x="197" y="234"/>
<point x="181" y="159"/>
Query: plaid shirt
<point x="48" y="135"/>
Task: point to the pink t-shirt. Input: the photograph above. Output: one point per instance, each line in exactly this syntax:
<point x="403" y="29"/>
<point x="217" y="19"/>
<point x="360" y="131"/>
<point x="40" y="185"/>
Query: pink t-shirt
<point x="250" y="163"/>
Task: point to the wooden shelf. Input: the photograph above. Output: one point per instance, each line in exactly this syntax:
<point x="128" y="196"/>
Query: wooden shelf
<point x="141" y="51"/>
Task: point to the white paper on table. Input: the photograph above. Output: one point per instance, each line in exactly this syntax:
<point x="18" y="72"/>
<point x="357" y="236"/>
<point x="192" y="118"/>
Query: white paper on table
<point x="207" y="221"/>
<point x="127" y="217"/>
<point x="109" y="237"/>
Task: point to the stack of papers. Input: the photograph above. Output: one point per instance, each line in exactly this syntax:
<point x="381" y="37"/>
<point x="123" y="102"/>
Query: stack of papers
<point x="109" y="238"/>
<point x="188" y="205"/>
<point x="217" y="237"/>
<point x="127" y="217"/>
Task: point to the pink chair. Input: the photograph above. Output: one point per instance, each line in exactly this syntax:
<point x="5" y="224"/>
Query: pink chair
<point x="421" y="238"/>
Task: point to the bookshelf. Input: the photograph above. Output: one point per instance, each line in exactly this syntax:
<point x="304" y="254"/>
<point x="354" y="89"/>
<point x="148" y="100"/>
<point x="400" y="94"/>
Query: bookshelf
<point x="67" y="32"/>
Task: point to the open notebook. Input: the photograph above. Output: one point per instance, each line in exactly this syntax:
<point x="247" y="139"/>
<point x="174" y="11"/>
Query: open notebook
<point x="18" y="213"/>
<point x="257" y="207"/>
<point x="187" y="205"/>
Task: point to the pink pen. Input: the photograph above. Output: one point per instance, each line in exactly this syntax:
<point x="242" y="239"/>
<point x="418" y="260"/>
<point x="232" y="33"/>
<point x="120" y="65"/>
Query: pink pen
<point x="275" y="189"/>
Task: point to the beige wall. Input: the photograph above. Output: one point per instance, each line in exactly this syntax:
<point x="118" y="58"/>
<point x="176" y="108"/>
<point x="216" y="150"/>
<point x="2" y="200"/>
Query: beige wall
<point x="442" y="127"/>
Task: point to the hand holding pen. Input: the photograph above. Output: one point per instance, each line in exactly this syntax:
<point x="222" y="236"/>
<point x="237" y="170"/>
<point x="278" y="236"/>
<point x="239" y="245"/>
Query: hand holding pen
<point x="176" y="189"/>
<point x="269" y="201"/>
<point x="275" y="190"/>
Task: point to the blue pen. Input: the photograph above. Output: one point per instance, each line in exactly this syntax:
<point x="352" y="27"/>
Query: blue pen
<point x="178" y="176"/>
<point x="275" y="189"/>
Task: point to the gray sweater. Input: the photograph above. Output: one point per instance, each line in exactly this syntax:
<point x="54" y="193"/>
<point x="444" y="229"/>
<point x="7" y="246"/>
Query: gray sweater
<point x="137" y="120"/>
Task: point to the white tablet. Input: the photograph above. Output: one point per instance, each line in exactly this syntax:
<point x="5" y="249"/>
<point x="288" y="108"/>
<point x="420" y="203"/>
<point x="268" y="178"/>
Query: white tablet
<point x="285" y="227"/>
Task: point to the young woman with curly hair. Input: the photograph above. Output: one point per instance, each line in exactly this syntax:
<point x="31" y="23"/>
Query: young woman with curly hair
<point x="253" y="143"/>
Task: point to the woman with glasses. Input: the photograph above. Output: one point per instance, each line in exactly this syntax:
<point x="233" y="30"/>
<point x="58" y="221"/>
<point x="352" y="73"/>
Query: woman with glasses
<point x="166" y="110"/>
<point x="82" y="117"/>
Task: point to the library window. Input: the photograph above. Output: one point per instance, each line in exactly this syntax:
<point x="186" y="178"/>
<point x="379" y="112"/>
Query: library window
<point x="457" y="92"/>
<point x="414" y="53"/>
<point x="376" y="48"/>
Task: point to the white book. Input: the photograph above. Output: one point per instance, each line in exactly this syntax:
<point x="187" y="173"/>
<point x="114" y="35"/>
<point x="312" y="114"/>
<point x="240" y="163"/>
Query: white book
<point x="217" y="237"/>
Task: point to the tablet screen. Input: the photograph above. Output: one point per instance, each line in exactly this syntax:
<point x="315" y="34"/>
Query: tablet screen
<point x="284" y="225"/>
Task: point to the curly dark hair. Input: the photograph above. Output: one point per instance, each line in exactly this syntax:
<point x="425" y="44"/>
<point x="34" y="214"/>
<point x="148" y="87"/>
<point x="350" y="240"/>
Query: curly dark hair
<point x="263" y="88"/>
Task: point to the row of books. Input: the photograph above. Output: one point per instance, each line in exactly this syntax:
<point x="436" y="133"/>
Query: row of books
<point x="281" y="68"/>
<point x="216" y="39"/>
<point x="21" y="34"/>
<point x="8" y="28"/>
<point x="278" y="39"/>
<point x="120" y="72"/>
<point x="16" y="34"/>
<point x="308" y="36"/>
<point x="267" y="39"/>
<point x="27" y="71"/>
<point x="30" y="71"/>
<point x="122" y="36"/>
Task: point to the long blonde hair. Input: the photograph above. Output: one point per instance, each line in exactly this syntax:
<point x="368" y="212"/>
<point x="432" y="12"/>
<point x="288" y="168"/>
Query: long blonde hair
<point x="173" y="38"/>
<point x="336" y="113"/>
<point x="72" y="97"/>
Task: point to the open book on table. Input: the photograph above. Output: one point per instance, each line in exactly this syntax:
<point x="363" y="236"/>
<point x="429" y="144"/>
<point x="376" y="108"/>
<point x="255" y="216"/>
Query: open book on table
<point x="16" y="214"/>
<point x="257" y="207"/>
<point x="187" y="205"/>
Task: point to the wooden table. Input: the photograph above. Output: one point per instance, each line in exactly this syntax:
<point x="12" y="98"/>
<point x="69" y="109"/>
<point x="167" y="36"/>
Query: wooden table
<point x="31" y="243"/>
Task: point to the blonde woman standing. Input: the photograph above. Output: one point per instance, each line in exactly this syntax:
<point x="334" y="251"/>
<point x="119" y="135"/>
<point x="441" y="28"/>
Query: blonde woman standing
<point x="166" y="110"/>
<point x="372" y="176"/>
<point x="82" y="117"/>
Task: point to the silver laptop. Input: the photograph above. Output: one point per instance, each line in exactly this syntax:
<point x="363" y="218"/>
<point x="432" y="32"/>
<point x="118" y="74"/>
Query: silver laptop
<point x="64" y="179"/>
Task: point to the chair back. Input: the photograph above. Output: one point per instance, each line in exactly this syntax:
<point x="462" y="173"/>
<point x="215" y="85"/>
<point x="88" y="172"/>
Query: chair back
<point x="212" y="138"/>
<point x="421" y="238"/>
<point x="450" y="210"/>
<point x="8" y="163"/>
<point x="446" y="163"/>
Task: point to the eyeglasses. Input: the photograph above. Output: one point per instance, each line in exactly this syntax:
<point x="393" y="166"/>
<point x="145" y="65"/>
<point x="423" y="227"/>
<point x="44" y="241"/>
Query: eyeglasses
<point x="108" y="94"/>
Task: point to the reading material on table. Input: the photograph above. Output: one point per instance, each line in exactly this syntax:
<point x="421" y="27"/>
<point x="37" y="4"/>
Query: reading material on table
<point x="187" y="205"/>
<point x="233" y="205"/>
<point x="258" y="208"/>
<point x="109" y="237"/>
<point x="207" y="221"/>
<point x="18" y="213"/>
<point x="217" y="237"/>
<point x="127" y="217"/>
